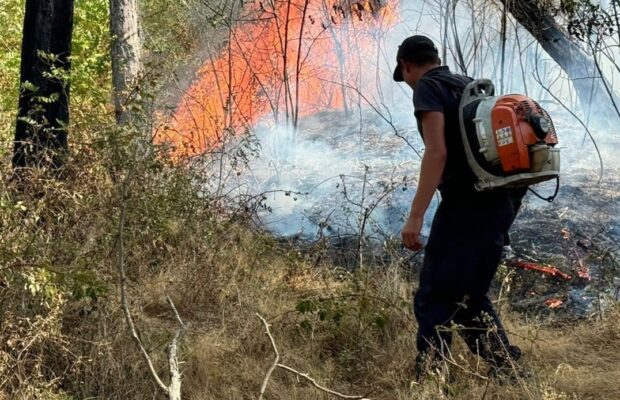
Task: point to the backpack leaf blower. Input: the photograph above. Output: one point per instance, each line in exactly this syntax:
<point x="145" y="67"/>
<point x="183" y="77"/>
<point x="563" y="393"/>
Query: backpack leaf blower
<point x="509" y="140"/>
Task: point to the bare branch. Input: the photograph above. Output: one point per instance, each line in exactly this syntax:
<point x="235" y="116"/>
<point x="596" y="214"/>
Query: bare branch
<point x="277" y="364"/>
<point x="276" y="361"/>
<point x="173" y="362"/>
<point x="538" y="79"/>
<point x="388" y="120"/>
<point x="176" y="313"/>
<point x="316" y="385"/>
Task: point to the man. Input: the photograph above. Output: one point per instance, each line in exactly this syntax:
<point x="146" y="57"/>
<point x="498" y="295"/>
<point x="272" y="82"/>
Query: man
<point x="467" y="234"/>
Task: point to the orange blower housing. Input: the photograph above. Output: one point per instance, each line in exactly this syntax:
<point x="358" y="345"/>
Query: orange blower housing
<point x="509" y="141"/>
<point x="516" y="133"/>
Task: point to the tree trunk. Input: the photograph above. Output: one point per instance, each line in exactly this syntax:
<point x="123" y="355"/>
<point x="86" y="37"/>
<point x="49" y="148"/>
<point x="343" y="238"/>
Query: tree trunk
<point x="569" y="55"/>
<point x="126" y="55"/>
<point x="43" y="114"/>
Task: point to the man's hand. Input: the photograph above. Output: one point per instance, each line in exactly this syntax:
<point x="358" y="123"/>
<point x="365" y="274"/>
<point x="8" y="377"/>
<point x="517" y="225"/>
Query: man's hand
<point x="411" y="234"/>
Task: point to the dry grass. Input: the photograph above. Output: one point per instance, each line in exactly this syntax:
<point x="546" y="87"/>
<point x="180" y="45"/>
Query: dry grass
<point x="229" y="359"/>
<point x="353" y="332"/>
<point x="228" y="353"/>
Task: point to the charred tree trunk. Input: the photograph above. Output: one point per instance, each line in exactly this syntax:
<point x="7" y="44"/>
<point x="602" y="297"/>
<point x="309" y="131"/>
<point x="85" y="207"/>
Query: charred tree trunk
<point x="126" y="55"/>
<point x="569" y="55"/>
<point x="43" y="114"/>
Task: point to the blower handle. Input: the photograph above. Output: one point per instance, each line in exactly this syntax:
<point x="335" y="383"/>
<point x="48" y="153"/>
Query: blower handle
<point x="478" y="88"/>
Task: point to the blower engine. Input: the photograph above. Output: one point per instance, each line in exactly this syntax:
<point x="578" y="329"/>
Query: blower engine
<point x="509" y="140"/>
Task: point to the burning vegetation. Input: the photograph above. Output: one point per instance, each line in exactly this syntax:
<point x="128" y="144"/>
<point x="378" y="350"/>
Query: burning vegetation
<point x="282" y="61"/>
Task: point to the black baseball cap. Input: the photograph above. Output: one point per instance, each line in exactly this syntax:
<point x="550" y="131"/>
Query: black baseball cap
<point x="410" y="50"/>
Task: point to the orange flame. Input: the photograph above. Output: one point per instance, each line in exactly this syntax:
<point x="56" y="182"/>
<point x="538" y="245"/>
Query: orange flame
<point x="296" y="57"/>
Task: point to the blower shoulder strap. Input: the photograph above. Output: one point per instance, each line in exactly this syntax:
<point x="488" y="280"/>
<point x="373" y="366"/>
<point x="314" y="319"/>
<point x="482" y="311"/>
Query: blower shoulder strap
<point x="452" y="80"/>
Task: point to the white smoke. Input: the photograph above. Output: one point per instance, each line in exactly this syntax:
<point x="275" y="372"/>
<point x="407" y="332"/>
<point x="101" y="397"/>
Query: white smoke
<point x="334" y="176"/>
<point x="306" y="171"/>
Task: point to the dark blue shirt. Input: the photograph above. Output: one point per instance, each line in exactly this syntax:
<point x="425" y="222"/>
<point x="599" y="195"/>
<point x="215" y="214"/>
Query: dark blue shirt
<point x="440" y="90"/>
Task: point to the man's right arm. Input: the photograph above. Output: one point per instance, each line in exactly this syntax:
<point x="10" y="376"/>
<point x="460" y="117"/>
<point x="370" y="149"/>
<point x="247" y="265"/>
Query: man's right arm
<point x="433" y="164"/>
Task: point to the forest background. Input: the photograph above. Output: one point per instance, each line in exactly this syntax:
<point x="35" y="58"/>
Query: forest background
<point x="124" y="223"/>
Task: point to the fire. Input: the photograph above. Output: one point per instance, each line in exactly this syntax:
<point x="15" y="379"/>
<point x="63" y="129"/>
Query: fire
<point x="295" y="58"/>
<point x="554" y="302"/>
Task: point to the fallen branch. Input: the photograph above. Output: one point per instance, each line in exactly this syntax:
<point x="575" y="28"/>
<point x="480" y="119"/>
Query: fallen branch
<point x="276" y="364"/>
<point x="545" y="269"/>
<point x="535" y="301"/>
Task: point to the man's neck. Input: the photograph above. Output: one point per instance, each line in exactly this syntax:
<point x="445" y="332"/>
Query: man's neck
<point x="425" y="71"/>
<point x="430" y="67"/>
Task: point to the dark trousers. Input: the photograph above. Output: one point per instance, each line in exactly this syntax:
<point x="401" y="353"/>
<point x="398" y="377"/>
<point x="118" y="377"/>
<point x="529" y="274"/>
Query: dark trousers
<point x="516" y="197"/>
<point x="461" y="258"/>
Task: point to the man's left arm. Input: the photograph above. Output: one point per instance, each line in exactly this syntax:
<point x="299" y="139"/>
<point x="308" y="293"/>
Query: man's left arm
<point x="433" y="164"/>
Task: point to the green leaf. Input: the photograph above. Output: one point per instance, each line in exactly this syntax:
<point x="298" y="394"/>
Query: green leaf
<point x="306" y="325"/>
<point x="306" y="306"/>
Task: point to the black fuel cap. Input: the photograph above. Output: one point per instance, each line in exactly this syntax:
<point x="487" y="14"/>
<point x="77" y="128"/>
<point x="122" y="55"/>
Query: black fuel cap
<point x="541" y="126"/>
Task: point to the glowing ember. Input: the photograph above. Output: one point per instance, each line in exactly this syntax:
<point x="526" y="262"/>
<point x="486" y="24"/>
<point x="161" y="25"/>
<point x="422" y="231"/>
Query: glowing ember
<point x="584" y="272"/>
<point x="545" y="269"/>
<point x="554" y="303"/>
<point x="295" y="58"/>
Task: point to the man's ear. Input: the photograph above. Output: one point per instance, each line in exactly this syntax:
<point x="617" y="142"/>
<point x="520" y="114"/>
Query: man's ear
<point x="406" y="66"/>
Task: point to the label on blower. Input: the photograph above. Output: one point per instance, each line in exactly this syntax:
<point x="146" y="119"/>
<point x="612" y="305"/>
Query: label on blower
<point x="504" y="136"/>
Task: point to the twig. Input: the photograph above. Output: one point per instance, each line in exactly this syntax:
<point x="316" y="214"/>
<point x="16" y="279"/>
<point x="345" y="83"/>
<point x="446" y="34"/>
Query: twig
<point x="609" y="90"/>
<point x="316" y="385"/>
<point x="375" y="108"/>
<point x="276" y="364"/>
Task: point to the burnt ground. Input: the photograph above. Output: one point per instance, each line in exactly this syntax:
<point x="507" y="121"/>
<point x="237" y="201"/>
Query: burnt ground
<point x="579" y="234"/>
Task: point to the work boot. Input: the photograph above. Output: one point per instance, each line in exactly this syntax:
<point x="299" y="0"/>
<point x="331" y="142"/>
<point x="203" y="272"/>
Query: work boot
<point x="429" y="364"/>
<point x="432" y="378"/>
<point x="514" y="352"/>
<point x="509" y="374"/>
<point x="505" y="368"/>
